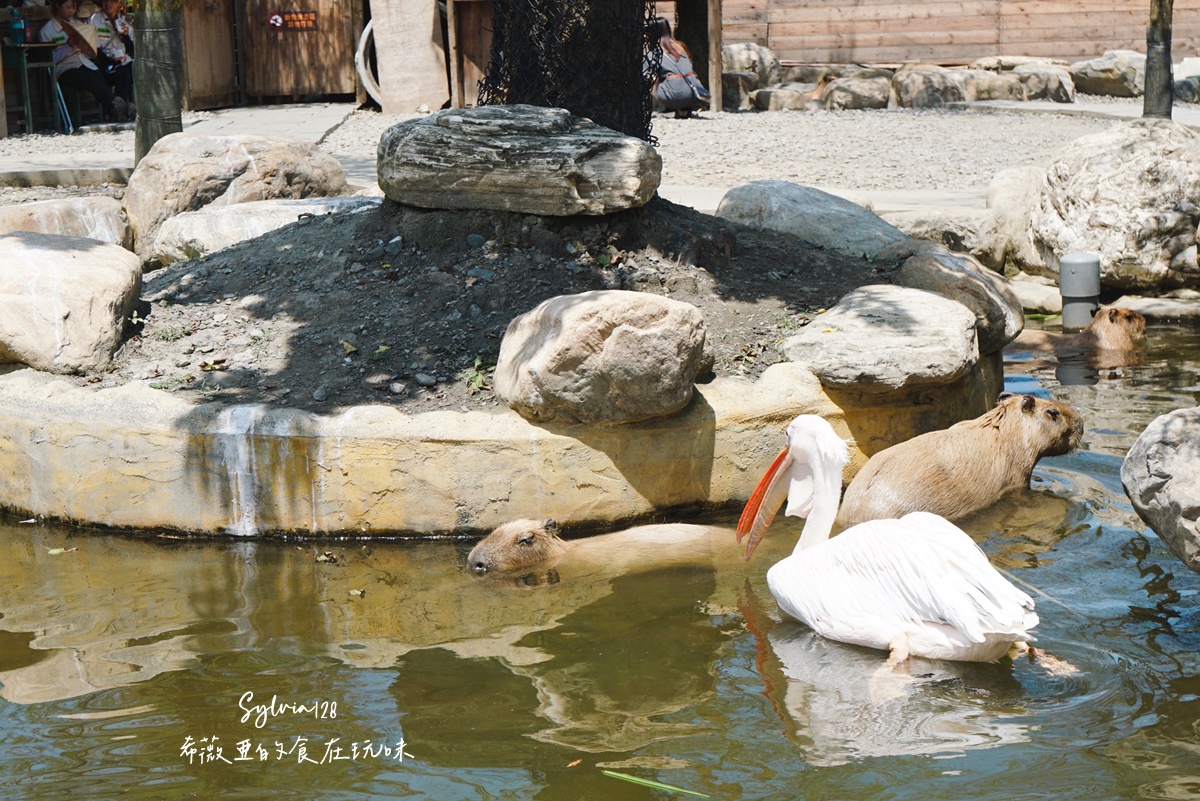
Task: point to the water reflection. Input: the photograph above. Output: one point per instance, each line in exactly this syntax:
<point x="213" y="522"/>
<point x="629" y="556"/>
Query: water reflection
<point x="114" y="652"/>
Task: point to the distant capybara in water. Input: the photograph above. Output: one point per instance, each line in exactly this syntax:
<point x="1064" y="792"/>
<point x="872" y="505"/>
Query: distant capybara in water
<point x="957" y="471"/>
<point x="533" y="545"/>
<point x="1114" y="329"/>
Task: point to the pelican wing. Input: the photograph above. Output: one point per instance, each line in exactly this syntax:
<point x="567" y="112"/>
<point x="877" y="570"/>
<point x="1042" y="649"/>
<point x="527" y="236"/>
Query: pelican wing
<point x="885" y="577"/>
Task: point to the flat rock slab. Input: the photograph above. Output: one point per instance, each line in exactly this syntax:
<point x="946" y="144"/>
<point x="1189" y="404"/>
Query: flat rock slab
<point x="1183" y="305"/>
<point x="518" y="158"/>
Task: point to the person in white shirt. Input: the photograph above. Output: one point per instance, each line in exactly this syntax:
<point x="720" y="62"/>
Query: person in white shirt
<point x="114" y="40"/>
<point x="73" y="64"/>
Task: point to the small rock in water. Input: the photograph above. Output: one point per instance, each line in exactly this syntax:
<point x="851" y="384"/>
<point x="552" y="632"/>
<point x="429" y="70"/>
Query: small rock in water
<point x="475" y="240"/>
<point x="426" y="380"/>
<point x="321" y="393"/>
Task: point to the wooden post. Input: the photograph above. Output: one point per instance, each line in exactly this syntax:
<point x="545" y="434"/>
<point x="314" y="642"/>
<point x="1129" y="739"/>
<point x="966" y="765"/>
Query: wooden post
<point x="714" y="55"/>
<point x="456" y="83"/>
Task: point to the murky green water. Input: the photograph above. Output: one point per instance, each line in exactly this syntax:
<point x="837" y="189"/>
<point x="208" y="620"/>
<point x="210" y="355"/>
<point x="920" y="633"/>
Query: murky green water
<point x="126" y="662"/>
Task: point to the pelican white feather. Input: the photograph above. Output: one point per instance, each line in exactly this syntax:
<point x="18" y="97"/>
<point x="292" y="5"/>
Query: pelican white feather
<point x="918" y="585"/>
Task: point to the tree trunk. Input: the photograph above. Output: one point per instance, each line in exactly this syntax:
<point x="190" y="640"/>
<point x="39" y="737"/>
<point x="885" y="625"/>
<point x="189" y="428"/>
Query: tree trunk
<point x="157" y="74"/>
<point x="1159" y="82"/>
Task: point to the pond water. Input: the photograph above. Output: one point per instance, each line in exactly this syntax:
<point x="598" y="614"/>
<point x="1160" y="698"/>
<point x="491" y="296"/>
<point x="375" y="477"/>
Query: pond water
<point x="144" y="667"/>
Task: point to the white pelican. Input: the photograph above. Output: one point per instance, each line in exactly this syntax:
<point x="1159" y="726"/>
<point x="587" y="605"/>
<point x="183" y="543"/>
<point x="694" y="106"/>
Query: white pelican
<point x="915" y="586"/>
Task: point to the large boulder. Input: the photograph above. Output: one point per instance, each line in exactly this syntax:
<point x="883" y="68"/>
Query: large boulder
<point x="64" y="301"/>
<point x="961" y="229"/>
<point x="186" y="172"/>
<point x="784" y="98"/>
<point x="858" y="93"/>
<point x="194" y="233"/>
<point x="518" y="158"/>
<point x="1130" y="195"/>
<point x="1118" y="73"/>
<point x="96" y="218"/>
<point x="888" y="338"/>
<point x="607" y="356"/>
<point x="1013" y="197"/>
<point x="958" y="276"/>
<point x="1161" y="476"/>
<point x="751" y="57"/>
<point x="923" y="86"/>
<point x="988" y="85"/>
<point x="1046" y="82"/>
<point x="818" y="217"/>
<point x="736" y="88"/>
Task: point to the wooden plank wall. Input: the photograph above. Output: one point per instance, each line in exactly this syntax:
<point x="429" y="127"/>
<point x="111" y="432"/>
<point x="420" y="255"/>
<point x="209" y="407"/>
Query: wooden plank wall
<point x="210" y="59"/>
<point x="291" y="64"/>
<point x="951" y="31"/>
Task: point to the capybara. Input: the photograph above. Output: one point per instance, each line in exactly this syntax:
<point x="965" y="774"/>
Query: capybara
<point x="533" y="545"/>
<point x="1114" y="329"/>
<point x="959" y="470"/>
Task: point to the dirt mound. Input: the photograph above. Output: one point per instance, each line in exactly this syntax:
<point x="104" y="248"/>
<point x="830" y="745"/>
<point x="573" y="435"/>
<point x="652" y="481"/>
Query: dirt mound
<point x="407" y="307"/>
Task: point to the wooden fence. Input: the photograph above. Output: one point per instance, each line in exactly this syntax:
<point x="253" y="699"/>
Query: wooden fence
<point x="950" y="31"/>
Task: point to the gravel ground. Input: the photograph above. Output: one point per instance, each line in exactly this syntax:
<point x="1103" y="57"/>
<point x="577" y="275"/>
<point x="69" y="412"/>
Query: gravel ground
<point x="866" y="150"/>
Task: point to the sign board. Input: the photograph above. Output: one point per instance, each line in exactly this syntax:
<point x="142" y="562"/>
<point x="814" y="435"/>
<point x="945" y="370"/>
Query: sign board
<point x="292" y="21"/>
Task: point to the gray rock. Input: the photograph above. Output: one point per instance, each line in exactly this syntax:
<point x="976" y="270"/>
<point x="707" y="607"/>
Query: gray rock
<point x="1128" y="194"/>
<point x="1013" y="197"/>
<point x="64" y="302"/>
<point x="736" y="88"/>
<point x="1118" y="73"/>
<point x="958" y="276"/>
<point x="186" y="172"/>
<point x="858" y="93"/>
<point x="927" y="87"/>
<point x="607" y="356"/>
<point x="1161" y="476"/>
<point x="751" y="57"/>
<point x="818" y="217"/>
<point x="888" y="338"/>
<point x="516" y="158"/>
<point x="778" y="98"/>
<point x="1046" y="82"/>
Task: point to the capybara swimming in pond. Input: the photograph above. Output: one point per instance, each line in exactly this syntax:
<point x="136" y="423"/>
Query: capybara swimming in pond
<point x="965" y="468"/>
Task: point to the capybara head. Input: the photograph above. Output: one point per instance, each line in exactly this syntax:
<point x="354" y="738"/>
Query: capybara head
<point x="1115" y="329"/>
<point x="518" y="545"/>
<point x="1039" y="426"/>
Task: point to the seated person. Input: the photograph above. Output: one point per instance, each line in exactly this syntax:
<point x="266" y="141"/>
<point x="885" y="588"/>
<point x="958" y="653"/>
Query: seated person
<point x="114" y="41"/>
<point x="676" y="87"/>
<point x="73" y="64"/>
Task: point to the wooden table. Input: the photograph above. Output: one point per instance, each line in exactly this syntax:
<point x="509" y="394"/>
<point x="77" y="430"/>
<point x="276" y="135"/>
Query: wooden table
<point x="30" y="57"/>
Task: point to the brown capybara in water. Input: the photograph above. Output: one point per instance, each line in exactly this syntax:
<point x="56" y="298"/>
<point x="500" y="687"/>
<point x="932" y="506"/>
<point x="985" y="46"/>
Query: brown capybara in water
<point x="1114" y="329"/>
<point x="534" y="545"/>
<point x="959" y="470"/>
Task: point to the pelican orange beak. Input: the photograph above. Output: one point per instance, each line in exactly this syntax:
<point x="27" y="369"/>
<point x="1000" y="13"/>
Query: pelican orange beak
<point x="768" y="496"/>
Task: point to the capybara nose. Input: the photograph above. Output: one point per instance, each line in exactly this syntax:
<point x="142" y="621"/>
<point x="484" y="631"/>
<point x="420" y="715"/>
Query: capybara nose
<point x="479" y="567"/>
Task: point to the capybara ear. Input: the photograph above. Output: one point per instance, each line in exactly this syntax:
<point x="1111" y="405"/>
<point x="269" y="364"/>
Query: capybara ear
<point x="1003" y="396"/>
<point x="551" y="525"/>
<point x="1027" y="403"/>
<point x="1113" y="315"/>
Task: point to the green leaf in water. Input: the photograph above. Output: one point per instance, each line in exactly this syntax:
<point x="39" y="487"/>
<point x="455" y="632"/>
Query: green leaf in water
<point x="651" y="783"/>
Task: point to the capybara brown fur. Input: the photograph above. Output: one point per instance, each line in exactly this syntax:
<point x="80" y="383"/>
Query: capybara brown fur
<point x="527" y="546"/>
<point x="960" y="470"/>
<point x="1114" y="329"/>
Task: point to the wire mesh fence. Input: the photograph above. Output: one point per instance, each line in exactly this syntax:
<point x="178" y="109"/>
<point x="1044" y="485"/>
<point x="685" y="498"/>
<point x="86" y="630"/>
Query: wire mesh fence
<point x="587" y="56"/>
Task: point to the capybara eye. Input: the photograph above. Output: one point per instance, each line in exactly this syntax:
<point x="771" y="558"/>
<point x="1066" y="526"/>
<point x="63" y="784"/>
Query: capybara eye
<point x="1053" y="413"/>
<point x="525" y="539"/>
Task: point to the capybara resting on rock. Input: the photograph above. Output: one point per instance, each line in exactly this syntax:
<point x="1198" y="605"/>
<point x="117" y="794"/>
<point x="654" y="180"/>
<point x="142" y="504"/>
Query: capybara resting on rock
<point x="1114" y="330"/>
<point x="960" y="470"/>
<point x="532" y="545"/>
